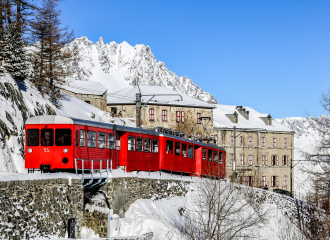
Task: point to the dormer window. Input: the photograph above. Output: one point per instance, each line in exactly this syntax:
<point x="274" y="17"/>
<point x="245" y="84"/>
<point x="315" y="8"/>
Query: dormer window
<point x="267" y="119"/>
<point x="233" y="117"/>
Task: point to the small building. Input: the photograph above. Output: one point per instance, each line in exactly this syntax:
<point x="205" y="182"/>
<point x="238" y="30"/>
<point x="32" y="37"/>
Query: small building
<point x="188" y="115"/>
<point x="259" y="149"/>
<point x="93" y="93"/>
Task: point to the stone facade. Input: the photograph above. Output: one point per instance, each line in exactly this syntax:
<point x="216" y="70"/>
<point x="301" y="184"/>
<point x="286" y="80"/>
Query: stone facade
<point x="99" y="101"/>
<point x="190" y="116"/>
<point x="122" y="192"/>
<point x="39" y="208"/>
<point x="252" y="145"/>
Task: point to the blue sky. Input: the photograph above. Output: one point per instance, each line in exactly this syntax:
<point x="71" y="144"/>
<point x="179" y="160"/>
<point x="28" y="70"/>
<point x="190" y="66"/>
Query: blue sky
<point x="273" y="56"/>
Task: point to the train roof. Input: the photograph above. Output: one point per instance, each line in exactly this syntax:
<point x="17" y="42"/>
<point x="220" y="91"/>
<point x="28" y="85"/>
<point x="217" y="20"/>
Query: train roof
<point x="53" y="119"/>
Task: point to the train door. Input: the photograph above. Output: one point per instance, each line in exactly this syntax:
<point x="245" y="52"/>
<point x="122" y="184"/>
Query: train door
<point x="120" y="152"/>
<point x="198" y="160"/>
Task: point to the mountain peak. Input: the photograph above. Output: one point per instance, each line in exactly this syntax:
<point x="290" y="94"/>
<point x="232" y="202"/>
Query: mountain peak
<point x="118" y="66"/>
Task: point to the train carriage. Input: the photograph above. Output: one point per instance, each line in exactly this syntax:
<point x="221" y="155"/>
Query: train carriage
<point x="55" y="143"/>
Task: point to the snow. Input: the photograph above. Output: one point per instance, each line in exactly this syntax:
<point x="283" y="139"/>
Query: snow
<point x="127" y="96"/>
<point x="85" y="87"/>
<point x="254" y="122"/>
<point x="118" y="66"/>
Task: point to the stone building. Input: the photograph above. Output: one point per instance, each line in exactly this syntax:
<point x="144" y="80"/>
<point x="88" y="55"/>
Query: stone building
<point x="188" y="115"/>
<point x="93" y="93"/>
<point x="259" y="149"/>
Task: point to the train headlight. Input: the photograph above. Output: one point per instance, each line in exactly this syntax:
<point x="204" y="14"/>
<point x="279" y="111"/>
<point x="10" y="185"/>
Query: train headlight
<point x="65" y="150"/>
<point x="30" y="150"/>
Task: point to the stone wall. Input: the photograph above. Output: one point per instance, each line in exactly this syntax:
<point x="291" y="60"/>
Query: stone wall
<point x="122" y="192"/>
<point x="39" y="208"/>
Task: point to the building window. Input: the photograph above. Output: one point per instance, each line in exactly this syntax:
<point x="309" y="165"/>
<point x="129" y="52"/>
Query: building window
<point x="232" y="140"/>
<point x="241" y="140"/>
<point x="242" y="160"/>
<point x="274" y="142"/>
<point x="284" y="160"/>
<point x="113" y="110"/>
<point x="250" y="141"/>
<point x="273" y="179"/>
<point x="182" y="116"/>
<point x="263" y="160"/>
<point x="164" y="115"/>
<point x="285" y="142"/>
<point x="264" y="142"/>
<point x="285" y="180"/>
<point x="250" y="160"/>
<point x="273" y="160"/>
<point x="199" y="118"/>
<point x="89" y="102"/>
<point x="177" y="116"/>
<point x="264" y="181"/>
<point x="151" y="114"/>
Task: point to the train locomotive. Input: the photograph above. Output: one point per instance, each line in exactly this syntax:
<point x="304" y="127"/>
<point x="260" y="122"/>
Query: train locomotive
<point x="55" y="143"/>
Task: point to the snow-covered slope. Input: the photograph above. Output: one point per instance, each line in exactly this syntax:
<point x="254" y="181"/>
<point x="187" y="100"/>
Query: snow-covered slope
<point x="306" y="136"/>
<point x="21" y="101"/>
<point x="119" y="66"/>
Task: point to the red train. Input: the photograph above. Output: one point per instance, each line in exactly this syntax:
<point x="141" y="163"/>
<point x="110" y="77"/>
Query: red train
<point x="55" y="143"/>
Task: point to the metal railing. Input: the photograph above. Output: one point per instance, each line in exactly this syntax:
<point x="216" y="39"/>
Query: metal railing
<point x="94" y="167"/>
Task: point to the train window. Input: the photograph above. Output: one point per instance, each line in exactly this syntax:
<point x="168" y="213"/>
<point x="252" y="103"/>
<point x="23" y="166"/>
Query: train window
<point x="76" y="141"/>
<point x="32" y="137"/>
<point x="190" y="151"/>
<point x="63" y="137"/>
<point x="204" y="153"/>
<point x="210" y="155"/>
<point x="169" y="147"/>
<point x="91" y="139"/>
<point x="154" y="146"/>
<point x="147" y="145"/>
<point x="184" y="150"/>
<point x="101" y="140"/>
<point x="131" y="143"/>
<point x="177" y="148"/>
<point x="220" y="157"/>
<point x="139" y="144"/>
<point x="47" y="137"/>
<point x="111" y="141"/>
<point x="216" y="156"/>
<point x="82" y="138"/>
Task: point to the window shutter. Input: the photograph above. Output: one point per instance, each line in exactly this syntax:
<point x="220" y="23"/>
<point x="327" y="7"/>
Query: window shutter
<point x="277" y="181"/>
<point x="266" y="160"/>
<point x="276" y="160"/>
<point x="253" y="181"/>
<point x="282" y="160"/>
<point x="182" y="116"/>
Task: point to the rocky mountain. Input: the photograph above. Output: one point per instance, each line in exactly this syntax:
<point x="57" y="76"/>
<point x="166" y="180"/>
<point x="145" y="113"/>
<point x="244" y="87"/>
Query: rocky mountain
<point x="118" y="66"/>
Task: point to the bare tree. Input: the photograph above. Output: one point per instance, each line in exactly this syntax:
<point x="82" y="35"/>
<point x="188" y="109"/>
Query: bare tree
<point x="220" y="210"/>
<point x="189" y="126"/>
<point x="51" y="56"/>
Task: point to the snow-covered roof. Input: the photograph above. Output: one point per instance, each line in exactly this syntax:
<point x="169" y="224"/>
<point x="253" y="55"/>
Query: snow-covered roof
<point x="127" y="96"/>
<point x="254" y="121"/>
<point x="85" y="87"/>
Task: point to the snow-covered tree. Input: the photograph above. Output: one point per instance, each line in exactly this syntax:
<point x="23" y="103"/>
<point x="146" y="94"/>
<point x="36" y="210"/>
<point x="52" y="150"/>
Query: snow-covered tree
<point x="12" y="53"/>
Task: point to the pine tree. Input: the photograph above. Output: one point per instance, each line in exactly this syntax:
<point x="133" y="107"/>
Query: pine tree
<point x="51" y="56"/>
<point x="13" y="54"/>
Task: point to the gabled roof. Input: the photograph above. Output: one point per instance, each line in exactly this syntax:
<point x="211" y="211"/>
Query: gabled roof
<point x="127" y="96"/>
<point x="85" y="87"/>
<point x="254" y="122"/>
